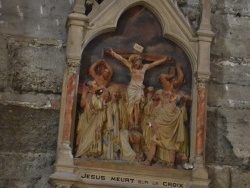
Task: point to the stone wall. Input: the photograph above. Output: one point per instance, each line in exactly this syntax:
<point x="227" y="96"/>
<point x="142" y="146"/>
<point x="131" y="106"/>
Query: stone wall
<point x="227" y="146"/>
<point x="32" y="58"/>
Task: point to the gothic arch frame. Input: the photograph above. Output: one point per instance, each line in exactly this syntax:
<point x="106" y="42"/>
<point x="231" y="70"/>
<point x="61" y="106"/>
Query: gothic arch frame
<point x="82" y="29"/>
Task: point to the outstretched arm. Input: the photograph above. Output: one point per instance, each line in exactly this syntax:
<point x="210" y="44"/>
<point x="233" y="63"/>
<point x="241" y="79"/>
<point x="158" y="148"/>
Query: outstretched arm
<point x="165" y="81"/>
<point x="110" y="71"/>
<point x="181" y="77"/>
<point x="188" y="98"/>
<point x="92" y="72"/>
<point x="159" y="62"/>
<point x="118" y="57"/>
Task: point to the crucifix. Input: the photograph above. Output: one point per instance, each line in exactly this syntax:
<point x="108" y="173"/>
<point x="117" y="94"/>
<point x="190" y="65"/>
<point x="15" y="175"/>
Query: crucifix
<point x="133" y="61"/>
<point x="138" y="50"/>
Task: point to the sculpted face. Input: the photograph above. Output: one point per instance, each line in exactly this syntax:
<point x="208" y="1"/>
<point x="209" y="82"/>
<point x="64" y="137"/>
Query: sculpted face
<point x="157" y="96"/>
<point x="137" y="64"/>
<point x="150" y="91"/>
<point x="171" y="70"/>
<point x="136" y="61"/>
<point x="105" y="73"/>
<point x="166" y="96"/>
<point x="115" y="95"/>
<point x="105" y="95"/>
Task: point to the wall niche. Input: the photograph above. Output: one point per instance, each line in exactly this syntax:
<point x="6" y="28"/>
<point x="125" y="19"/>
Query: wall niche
<point x="133" y="103"/>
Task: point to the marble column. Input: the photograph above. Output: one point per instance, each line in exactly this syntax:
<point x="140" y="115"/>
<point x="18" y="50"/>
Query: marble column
<point x="67" y="111"/>
<point x="201" y="115"/>
<point x="199" y="170"/>
<point x="205" y="36"/>
<point x="77" y="25"/>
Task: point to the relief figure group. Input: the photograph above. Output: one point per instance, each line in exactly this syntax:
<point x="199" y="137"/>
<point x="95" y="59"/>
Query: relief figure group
<point x="134" y="123"/>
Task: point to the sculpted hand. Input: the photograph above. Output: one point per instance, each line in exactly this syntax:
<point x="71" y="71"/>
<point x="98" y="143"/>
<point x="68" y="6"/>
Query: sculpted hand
<point x="98" y="133"/>
<point x="178" y="65"/>
<point x="109" y="50"/>
<point x="167" y="59"/>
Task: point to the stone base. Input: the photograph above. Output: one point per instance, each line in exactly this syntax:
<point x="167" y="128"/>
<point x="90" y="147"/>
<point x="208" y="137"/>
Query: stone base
<point x="95" y="174"/>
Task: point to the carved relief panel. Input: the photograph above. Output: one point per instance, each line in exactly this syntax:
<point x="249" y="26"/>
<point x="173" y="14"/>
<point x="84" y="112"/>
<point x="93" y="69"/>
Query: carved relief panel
<point x="132" y="114"/>
<point x="129" y="78"/>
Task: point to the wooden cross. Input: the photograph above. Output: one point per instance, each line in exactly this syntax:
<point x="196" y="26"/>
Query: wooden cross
<point x="145" y="56"/>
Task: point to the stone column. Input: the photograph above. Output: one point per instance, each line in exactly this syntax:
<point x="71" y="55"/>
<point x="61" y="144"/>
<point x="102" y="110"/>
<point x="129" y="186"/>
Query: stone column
<point x="77" y="25"/>
<point x="199" y="170"/>
<point x="201" y="115"/>
<point x="70" y="83"/>
<point x="205" y="36"/>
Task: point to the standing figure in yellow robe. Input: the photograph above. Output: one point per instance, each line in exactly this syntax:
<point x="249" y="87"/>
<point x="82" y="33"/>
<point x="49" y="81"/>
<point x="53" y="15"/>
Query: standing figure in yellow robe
<point x="169" y="130"/>
<point x="150" y="111"/>
<point x="111" y="138"/>
<point x="172" y="82"/>
<point x="91" y="121"/>
<point x="127" y="153"/>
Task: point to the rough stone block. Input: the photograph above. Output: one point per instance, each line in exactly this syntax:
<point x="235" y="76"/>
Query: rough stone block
<point x="218" y="148"/>
<point x="192" y="1"/>
<point x="36" y="19"/>
<point x="231" y="71"/>
<point x="228" y="176"/>
<point x="19" y="170"/>
<point x="32" y="100"/>
<point x="28" y="130"/>
<point x="220" y="176"/>
<point x="240" y="178"/>
<point x="232" y="6"/>
<point x="3" y="63"/>
<point x="38" y="69"/>
<point x="232" y="33"/>
<point x="228" y="95"/>
<point x="238" y="124"/>
<point x="227" y="143"/>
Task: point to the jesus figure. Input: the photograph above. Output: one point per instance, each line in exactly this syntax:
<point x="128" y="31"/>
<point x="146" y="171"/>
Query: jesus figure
<point x="135" y="88"/>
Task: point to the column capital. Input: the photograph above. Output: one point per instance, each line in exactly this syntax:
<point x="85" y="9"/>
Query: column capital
<point x="201" y="83"/>
<point x="202" y="79"/>
<point x="77" y="19"/>
<point x="73" y="65"/>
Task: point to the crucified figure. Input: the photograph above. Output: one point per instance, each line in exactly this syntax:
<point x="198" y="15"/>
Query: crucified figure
<point x="135" y="88"/>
